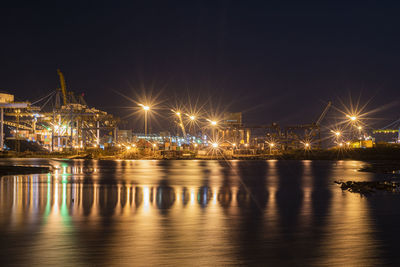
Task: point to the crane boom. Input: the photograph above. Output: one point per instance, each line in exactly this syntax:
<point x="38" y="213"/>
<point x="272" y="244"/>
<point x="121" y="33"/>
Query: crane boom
<point x="323" y="114"/>
<point x="63" y="86"/>
<point x="392" y="124"/>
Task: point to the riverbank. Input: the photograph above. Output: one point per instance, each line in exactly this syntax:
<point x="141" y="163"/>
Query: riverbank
<point x="367" y="154"/>
<point x="376" y="153"/>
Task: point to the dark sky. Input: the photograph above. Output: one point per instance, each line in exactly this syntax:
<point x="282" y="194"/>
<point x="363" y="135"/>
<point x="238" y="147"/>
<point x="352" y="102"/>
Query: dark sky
<point x="275" y="60"/>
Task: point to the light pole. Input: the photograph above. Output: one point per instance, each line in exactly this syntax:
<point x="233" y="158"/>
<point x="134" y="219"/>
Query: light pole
<point x="271" y="145"/>
<point x="337" y="134"/>
<point x="353" y="119"/>
<point x="213" y="125"/>
<point x="192" y="119"/>
<point x="146" y="109"/>
<point x="359" y="135"/>
<point x="359" y="131"/>
<point x="307" y="146"/>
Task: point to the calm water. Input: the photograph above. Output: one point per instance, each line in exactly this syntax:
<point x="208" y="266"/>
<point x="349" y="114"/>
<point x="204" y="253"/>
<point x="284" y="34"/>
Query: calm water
<point x="146" y="213"/>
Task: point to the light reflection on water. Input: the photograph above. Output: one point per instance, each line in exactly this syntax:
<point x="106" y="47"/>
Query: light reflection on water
<point x="193" y="213"/>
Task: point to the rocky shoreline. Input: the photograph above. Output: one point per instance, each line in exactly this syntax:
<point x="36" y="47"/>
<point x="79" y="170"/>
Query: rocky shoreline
<point x="366" y="188"/>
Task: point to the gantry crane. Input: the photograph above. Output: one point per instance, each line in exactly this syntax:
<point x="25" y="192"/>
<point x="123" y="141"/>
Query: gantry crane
<point x="318" y="122"/>
<point x="310" y="129"/>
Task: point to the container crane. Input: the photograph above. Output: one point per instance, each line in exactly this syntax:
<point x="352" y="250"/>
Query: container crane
<point x="310" y="129"/>
<point x="318" y="122"/>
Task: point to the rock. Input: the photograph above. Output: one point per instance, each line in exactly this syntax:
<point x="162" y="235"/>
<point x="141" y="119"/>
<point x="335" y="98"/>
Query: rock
<point x="369" y="187"/>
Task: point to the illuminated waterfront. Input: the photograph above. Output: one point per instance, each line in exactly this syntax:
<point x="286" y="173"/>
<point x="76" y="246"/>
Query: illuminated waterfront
<point x="204" y="212"/>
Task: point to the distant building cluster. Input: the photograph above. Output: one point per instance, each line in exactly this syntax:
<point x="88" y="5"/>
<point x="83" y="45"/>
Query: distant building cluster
<point x="62" y="121"/>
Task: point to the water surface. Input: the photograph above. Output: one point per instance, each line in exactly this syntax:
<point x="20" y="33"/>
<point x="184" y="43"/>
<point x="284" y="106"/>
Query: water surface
<point x="146" y="213"/>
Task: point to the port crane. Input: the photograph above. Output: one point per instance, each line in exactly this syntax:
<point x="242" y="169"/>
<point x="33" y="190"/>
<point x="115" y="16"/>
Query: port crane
<point x="62" y="119"/>
<point x="310" y="130"/>
<point x="323" y="114"/>
<point x="63" y="86"/>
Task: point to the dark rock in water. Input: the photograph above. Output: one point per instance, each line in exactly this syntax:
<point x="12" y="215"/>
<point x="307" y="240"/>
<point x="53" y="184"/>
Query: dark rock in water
<point x="392" y="167"/>
<point x="369" y="187"/>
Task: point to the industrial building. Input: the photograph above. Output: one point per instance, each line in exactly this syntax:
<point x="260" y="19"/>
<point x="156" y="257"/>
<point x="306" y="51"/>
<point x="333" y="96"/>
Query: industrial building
<point x="58" y="121"/>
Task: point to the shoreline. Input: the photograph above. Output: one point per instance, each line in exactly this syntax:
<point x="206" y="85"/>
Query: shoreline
<point x="371" y="154"/>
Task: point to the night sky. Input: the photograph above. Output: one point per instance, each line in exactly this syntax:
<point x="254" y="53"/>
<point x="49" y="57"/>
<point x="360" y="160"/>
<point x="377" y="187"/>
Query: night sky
<point x="274" y="60"/>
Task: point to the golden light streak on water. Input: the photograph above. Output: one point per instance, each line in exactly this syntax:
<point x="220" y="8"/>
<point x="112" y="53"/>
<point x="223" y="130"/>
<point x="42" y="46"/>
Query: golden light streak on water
<point x="349" y="215"/>
<point x="192" y="196"/>
<point x="215" y="195"/>
<point x="178" y="195"/>
<point x="56" y="198"/>
<point x="271" y="212"/>
<point x="307" y="185"/>
<point x="146" y="198"/>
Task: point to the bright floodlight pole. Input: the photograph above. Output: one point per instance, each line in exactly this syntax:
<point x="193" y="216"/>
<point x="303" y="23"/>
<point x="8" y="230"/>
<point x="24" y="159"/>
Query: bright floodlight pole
<point x="271" y="145"/>
<point x="337" y="134"/>
<point x="146" y="109"/>
<point x="359" y="135"/>
<point x="213" y="124"/>
<point x="359" y="131"/>
<point x="353" y="119"/>
<point x="145" y="122"/>
<point x="191" y="124"/>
